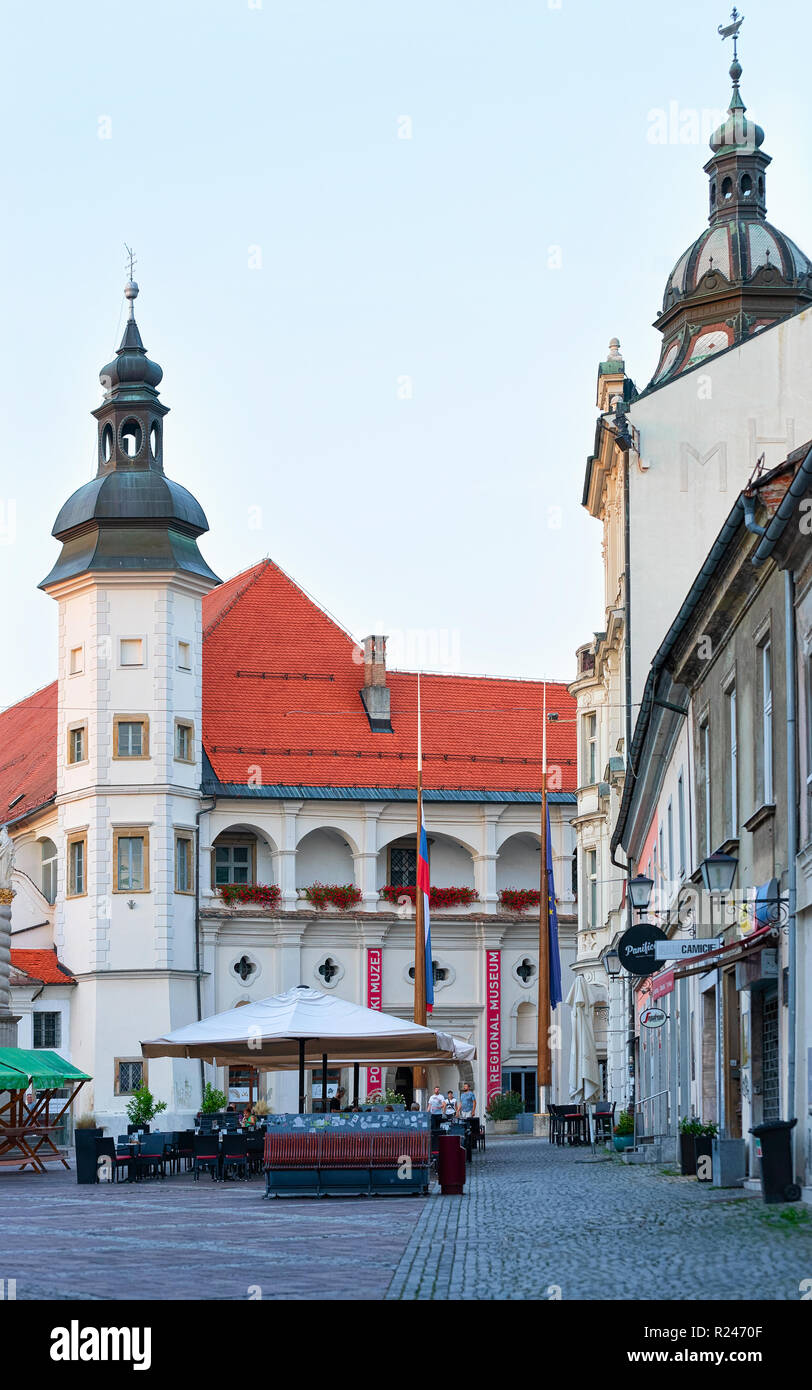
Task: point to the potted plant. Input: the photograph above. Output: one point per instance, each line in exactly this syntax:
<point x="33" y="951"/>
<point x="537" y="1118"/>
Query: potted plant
<point x="703" y="1148"/>
<point x="624" y="1131"/>
<point x="213" y="1100"/>
<point x="342" y="896"/>
<point x="689" y="1128"/>
<point x="503" y="1109"/>
<point x="142" y="1108"/>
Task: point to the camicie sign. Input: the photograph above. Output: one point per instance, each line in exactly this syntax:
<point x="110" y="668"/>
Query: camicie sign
<point x="374" y="1001"/>
<point x="493" y="1022"/>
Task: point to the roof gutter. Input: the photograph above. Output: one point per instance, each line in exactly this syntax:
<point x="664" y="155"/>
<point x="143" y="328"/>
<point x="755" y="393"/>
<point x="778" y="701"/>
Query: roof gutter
<point x="798" y="488"/>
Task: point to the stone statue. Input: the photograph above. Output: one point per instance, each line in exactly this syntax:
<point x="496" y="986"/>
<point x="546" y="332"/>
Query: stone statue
<point x="6" y="860"/>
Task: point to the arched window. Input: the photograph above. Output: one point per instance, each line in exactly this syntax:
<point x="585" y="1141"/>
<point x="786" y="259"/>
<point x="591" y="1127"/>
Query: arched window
<point x="526" y="1025"/>
<point x="746" y="186"/>
<point x="727" y="189"/>
<point x="49" y="865"/>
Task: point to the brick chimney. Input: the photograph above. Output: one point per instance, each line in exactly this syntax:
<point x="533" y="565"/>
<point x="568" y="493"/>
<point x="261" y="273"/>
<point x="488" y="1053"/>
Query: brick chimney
<point x="376" y="694"/>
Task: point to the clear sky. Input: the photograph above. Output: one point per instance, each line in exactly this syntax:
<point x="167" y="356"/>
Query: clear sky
<point x="379" y="352"/>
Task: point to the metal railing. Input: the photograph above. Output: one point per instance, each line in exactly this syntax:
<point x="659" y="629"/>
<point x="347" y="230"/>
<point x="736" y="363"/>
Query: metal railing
<point x="638" y="1104"/>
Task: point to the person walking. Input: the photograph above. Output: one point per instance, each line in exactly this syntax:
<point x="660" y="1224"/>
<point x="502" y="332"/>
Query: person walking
<point x="466" y="1109"/>
<point x="436" y="1104"/>
<point x="451" y="1106"/>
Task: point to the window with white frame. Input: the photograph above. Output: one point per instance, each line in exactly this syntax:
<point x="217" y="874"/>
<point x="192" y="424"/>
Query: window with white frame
<point x="590" y="764"/>
<point x="681" y="823"/>
<point x="184" y="656"/>
<point x="131" y="651"/>
<point x="592" y="881"/>
<point x="704" y="735"/>
<point x="733" y="763"/>
<point x="766" y="723"/>
<point x="184" y="882"/>
<point x="77" y="661"/>
<point x="50" y="864"/>
<point x="671" y="841"/>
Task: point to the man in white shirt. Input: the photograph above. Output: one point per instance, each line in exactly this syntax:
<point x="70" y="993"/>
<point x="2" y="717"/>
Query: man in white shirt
<point x="436" y="1104"/>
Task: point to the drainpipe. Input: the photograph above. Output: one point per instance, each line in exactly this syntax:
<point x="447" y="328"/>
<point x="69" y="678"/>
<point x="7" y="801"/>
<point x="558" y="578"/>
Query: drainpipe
<point x="203" y="811"/>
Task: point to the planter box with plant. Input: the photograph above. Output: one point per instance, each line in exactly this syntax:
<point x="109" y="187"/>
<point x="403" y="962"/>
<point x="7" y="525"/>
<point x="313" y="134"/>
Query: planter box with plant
<point x="438" y="897"/>
<point x="503" y="1110"/>
<point x="341" y="895"/>
<point x="213" y="1100"/>
<point x="142" y="1108"/>
<point x="265" y="895"/>
<point x="624" y="1131"/>
<point x="518" y="899"/>
<point x="689" y="1128"/>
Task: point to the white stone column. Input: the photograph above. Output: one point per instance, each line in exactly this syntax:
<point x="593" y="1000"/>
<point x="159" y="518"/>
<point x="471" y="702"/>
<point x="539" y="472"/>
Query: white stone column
<point x="485" y="861"/>
<point x="286" y="858"/>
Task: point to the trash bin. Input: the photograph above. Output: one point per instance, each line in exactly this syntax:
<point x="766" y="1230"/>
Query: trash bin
<point x="775" y="1150"/>
<point x="451" y="1165"/>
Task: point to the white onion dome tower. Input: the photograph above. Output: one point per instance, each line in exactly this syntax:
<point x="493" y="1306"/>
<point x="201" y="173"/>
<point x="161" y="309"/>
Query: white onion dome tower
<point x="130" y="517"/>
<point x="742" y="274"/>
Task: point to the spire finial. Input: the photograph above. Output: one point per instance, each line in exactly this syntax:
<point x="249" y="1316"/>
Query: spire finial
<point x="731" y="31"/>
<point x="131" y="288"/>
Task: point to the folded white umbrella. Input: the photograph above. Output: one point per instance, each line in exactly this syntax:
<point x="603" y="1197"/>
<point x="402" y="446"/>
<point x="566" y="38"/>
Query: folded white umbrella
<point x="585" y="1081"/>
<point x="268" y="1033"/>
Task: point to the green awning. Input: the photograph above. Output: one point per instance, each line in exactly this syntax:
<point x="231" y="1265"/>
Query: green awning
<point x="46" y="1070"/>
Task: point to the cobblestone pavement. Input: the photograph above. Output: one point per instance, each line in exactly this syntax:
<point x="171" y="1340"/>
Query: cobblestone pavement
<point x="533" y="1221"/>
<point x="540" y="1222"/>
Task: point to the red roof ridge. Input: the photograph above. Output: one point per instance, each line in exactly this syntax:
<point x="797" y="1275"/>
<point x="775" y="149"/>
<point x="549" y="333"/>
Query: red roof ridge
<point x="478" y="676"/>
<point x="24" y="698"/>
<point x="253" y="573"/>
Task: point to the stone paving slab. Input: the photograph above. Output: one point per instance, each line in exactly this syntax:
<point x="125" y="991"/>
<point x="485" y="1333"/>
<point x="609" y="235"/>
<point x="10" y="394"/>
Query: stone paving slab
<point x="176" y="1238"/>
<point x="541" y="1222"/>
<point x="535" y="1222"/>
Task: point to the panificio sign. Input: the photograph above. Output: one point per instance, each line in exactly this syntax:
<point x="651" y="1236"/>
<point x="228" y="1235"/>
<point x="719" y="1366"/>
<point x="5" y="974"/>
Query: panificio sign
<point x="684" y="950"/>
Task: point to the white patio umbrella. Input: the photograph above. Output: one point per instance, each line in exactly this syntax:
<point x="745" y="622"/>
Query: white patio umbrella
<point x="275" y="1034"/>
<point x="585" y="1083"/>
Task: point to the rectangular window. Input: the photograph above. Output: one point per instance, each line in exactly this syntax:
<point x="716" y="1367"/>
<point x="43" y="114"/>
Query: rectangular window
<point x="130" y="1074"/>
<point x="77" y="744"/>
<point x="403" y="866"/>
<point x="233" y="864"/>
<point x="706" y="757"/>
<point x="77" y="660"/>
<point x="659" y="881"/>
<point x="183" y="864"/>
<point x="130" y="737"/>
<point x="47" y="1029"/>
<point x="592" y="879"/>
<point x="733" y="768"/>
<point x="767" y="723"/>
<point x="184" y="742"/>
<point x="77" y="866"/>
<point x="184" y="656"/>
<point x="809" y="748"/>
<point x="131" y="858"/>
<point x="681" y="824"/>
<point x="590" y="729"/>
<point x="131" y="651"/>
<point x="671" y="841"/>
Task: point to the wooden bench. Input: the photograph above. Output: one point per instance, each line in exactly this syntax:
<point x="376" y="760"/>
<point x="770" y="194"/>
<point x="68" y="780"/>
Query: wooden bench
<point x="330" y="1162"/>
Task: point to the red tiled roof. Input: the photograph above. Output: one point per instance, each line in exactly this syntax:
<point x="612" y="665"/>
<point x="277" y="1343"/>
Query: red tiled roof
<point x="281" y="692"/>
<point x="41" y="965"/>
<point x="28" y="754"/>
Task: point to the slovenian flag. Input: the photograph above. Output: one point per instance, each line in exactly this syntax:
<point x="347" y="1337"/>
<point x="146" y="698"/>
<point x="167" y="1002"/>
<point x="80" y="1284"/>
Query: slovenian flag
<point x="552" y="920"/>
<point x="423" y="883"/>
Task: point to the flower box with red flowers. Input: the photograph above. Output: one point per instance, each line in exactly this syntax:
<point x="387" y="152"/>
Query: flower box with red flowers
<point x="260" y="894"/>
<point x="518" y="899"/>
<point x="341" y="895"/>
<point x="438" y="897"/>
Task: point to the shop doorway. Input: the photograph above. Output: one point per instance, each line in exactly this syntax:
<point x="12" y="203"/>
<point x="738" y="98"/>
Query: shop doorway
<point x="770" y="1096"/>
<point x="404" y="1085"/>
<point x="522" y="1080"/>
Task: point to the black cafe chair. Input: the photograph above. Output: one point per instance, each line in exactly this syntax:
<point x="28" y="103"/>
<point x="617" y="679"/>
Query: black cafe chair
<point x="206" y="1155"/>
<point x="235" y="1155"/>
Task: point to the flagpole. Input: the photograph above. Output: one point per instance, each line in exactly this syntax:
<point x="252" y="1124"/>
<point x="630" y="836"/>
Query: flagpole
<point x="544" y="1058"/>
<point x="419" y="913"/>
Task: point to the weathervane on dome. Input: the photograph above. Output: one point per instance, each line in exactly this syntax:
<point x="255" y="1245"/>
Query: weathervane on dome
<point x="131" y="288"/>
<point x="731" y="31"/>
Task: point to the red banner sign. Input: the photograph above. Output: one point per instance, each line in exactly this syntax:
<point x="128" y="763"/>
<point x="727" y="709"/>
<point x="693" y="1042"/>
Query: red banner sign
<point x="662" y="984"/>
<point x="493" y="1022"/>
<point x="374" y="1001"/>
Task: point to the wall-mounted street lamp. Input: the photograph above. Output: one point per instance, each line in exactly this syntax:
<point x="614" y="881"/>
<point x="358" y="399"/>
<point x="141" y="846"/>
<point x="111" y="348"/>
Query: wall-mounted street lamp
<point x="718" y="872"/>
<point x="611" y="963"/>
<point x="640" y="892"/>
